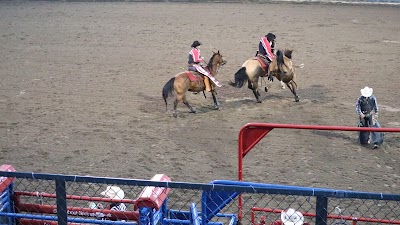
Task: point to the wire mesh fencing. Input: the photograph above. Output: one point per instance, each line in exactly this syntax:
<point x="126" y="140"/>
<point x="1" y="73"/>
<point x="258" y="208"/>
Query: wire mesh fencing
<point x="57" y="199"/>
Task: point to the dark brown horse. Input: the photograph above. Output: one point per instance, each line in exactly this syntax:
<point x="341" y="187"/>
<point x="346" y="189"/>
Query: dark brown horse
<point x="185" y="81"/>
<point x="281" y="68"/>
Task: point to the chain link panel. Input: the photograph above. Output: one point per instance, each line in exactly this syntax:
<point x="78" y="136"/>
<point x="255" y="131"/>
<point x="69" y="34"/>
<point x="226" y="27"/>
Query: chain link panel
<point x="86" y="203"/>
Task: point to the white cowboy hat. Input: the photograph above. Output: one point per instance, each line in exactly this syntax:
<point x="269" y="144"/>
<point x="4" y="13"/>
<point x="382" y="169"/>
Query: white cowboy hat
<point x="113" y="192"/>
<point x="366" y="92"/>
<point x="292" y="217"/>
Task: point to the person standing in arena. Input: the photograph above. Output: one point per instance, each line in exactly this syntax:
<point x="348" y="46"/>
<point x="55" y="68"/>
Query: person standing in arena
<point x="368" y="111"/>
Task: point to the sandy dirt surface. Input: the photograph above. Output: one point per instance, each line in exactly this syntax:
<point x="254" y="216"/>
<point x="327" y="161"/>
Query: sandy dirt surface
<point x="80" y="91"/>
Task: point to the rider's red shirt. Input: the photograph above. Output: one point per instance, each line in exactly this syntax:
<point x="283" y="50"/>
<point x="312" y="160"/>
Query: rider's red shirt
<point x="195" y="55"/>
<point x="267" y="47"/>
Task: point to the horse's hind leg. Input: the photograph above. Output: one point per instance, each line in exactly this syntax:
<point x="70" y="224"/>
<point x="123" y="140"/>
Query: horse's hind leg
<point x="175" y="114"/>
<point x="192" y="109"/>
<point x="255" y="90"/>
<point x="249" y="84"/>
<point x="178" y="98"/>
<point x="254" y="87"/>
<point x="292" y="88"/>
<point x="256" y="94"/>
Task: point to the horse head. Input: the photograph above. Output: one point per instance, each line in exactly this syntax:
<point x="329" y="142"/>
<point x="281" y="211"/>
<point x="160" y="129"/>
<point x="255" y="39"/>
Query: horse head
<point x="216" y="60"/>
<point x="288" y="53"/>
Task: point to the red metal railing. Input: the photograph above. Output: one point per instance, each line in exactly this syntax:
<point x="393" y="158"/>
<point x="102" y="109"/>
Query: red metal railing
<point x="252" y="133"/>
<point x="52" y="209"/>
<point x="354" y="219"/>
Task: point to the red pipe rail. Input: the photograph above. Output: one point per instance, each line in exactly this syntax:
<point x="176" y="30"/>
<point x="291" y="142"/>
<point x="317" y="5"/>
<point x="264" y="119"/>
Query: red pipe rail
<point x="74" y="197"/>
<point x="78" y="211"/>
<point x="75" y="211"/>
<point x="23" y="221"/>
<point x="354" y="219"/>
<point x="252" y="133"/>
<point x="152" y="197"/>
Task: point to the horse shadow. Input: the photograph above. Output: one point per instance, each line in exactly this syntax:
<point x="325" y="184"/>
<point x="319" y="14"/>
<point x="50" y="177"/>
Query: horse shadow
<point x="316" y="93"/>
<point x="248" y="101"/>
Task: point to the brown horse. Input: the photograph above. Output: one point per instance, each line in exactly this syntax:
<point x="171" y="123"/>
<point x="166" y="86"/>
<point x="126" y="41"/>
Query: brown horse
<point x="281" y="68"/>
<point x="185" y="81"/>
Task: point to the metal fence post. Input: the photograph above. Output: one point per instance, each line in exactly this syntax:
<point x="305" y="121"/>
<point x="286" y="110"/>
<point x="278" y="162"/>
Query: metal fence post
<point x="61" y="194"/>
<point x="11" y="221"/>
<point x="144" y="216"/>
<point x="321" y="210"/>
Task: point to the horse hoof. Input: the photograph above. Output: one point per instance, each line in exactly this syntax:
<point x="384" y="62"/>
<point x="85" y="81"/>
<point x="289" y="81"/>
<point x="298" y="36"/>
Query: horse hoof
<point x="297" y="100"/>
<point x="216" y="107"/>
<point x="193" y="110"/>
<point x="175" y="115"/>
<point x="266" y="89"/>
<point x="259" y="101"/>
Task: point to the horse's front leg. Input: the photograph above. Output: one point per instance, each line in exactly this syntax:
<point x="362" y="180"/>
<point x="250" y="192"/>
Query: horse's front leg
<point x="214" y="96"/>
<point x="292" y="88"/>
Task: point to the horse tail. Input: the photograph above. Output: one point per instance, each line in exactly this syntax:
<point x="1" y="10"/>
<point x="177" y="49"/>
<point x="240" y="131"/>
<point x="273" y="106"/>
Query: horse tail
<point x="279" y="59"/>
<point x="240" y="78"/>
<point x="167" y="90"/>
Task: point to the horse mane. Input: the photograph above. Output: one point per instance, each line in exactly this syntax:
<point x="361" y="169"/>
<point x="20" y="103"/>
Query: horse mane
<point x="209" y="65"/>
<point x="280" y="54"/>
<point x="279" y="58"/>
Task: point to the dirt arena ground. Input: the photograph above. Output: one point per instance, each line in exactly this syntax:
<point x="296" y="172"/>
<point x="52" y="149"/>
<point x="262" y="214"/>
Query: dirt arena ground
<point x="80" y="91"/>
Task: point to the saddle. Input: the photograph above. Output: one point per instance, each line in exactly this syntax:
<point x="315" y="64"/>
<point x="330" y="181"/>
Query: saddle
<point x="263" y="61"/>
<point x="195" y="76"/>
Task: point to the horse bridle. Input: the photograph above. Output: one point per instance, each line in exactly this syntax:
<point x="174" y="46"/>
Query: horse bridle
<point x="218" y="66"/>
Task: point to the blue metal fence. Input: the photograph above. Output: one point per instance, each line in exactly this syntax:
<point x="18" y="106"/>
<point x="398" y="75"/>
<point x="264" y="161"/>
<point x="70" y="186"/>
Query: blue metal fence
<point x="217" y="200"/>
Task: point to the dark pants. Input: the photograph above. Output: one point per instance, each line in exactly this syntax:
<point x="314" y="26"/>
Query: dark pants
<point x="376" y="137"/>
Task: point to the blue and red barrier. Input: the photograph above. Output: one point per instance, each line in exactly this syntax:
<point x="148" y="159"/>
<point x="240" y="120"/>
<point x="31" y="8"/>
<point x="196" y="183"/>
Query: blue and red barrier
<point x="149" y="207"/>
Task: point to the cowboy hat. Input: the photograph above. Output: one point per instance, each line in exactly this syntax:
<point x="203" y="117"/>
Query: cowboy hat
<point x="195" y="44"/>
<point x="270" y="36"/>
<point x="292" y="217"/>
<point x="113" y="192"/>
<point x="366" y="92"/>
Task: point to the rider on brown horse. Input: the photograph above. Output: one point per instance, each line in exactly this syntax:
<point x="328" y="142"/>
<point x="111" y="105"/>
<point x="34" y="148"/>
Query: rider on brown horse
<point x="194" y="63"/>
